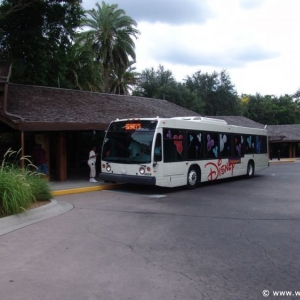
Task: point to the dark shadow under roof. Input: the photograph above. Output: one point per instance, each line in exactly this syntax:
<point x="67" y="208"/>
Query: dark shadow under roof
<point x="5" y="68"/>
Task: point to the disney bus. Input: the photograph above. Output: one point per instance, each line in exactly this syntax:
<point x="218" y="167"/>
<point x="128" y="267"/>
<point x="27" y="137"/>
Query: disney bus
<point x="171" y="152"/>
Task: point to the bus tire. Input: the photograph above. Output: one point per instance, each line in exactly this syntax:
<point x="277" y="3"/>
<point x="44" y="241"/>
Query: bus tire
<point x="250" y="169"/>
<point x="193" y="178"/>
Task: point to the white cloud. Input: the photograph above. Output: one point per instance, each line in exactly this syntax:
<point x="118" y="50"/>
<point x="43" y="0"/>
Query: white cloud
<point x="254" y="40"/>
<point x="166" y="11"/>
<point x="251" y="4"/>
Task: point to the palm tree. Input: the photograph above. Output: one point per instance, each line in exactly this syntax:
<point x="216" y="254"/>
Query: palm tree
<point x="83" y="72"/>
<point x="110" y="33"/>
<point x="123" y="79"/>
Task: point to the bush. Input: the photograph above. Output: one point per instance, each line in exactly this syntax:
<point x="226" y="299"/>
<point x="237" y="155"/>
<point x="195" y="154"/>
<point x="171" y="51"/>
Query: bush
<point x="19" y="188"/>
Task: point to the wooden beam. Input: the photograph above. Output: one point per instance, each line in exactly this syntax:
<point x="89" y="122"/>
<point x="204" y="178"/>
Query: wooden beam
<point x="61" y="155"/>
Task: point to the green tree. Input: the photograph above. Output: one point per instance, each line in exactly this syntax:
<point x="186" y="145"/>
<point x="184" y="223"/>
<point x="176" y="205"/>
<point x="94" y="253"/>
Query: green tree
<point x="296" y="98"/>
<point x="155" y="83"/>
<point x="110" y="32"/>
<point x="254" y="108"/>
<point x="16" y="6"/>
<point x="271" y="110"/>
<point x="123" y="79"/>
<point x="161" y="84"/>
<point x="36" y="38"/>
<point x="82" y="71"/>
<point x="216" y="92"/>
<point x="147" y="84"/>
<point x="287" y="110"/>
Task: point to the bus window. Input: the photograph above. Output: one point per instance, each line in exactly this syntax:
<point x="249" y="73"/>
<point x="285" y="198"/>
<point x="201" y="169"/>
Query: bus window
<point x="264" y="144"/>
<point x="250" y="144"/>
<point x="134" y="148"/>
<point x="258" y="144"/>
<point x="128" y="145"/>
<point x="115" y="146"/>
<point x="224" y="142"/>
<point x="173" y="145"/>
<point x="194" y="141"/>
<point x="238" y="144"/>
<point x="157" y="148"/>
<point x="211" y="145"/>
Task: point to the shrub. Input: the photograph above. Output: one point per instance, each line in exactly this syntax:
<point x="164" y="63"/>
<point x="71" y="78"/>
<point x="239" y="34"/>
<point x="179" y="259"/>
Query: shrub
<point x="19" y="188"/>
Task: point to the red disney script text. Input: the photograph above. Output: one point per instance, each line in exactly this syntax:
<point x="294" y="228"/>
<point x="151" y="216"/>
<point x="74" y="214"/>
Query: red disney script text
<point x="219" y="169"/>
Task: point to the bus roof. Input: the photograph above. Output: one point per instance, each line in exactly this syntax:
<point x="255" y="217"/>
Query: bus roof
<point x="192" y="122"/>
<point x="191" y="118"/>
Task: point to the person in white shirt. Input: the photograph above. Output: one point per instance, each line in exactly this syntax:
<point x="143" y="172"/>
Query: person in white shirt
<point x="92" y="164"/>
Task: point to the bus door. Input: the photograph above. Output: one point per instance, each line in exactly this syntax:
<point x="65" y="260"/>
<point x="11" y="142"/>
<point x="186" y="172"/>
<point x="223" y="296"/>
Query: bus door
<point x="174" y="164"/>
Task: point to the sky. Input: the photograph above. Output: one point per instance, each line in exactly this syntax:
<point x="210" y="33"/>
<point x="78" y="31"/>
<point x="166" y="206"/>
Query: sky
<point x="256" y="41"/>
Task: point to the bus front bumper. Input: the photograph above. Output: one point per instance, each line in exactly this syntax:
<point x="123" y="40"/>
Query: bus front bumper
<point x="147" y="180"/>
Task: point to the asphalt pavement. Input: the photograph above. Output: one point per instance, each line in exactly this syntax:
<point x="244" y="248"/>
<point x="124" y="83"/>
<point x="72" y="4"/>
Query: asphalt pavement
<point x="232" y="239"/>
<point x="228" y="240"/>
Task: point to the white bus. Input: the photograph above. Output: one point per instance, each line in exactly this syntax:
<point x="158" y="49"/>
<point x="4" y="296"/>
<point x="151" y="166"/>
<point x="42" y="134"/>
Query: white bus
<point x="180" y="151"/>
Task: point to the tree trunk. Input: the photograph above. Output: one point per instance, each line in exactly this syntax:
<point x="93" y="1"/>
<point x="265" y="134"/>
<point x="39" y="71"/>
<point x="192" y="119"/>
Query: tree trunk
<point x="106" y="78"/>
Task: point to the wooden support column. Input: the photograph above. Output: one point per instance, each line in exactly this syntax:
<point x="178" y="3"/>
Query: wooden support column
<point x="47" y="147"/>
<point x="77" y="150"/>
<point x="61" y="155"/>
<point x="292" y="150"/>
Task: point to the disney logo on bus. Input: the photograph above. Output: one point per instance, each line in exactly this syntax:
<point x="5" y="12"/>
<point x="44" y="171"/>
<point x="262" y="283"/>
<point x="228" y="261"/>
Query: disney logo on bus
<point x="218" y="169"/>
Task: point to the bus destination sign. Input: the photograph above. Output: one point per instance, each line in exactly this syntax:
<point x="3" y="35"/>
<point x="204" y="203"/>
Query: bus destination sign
<point x="133" y="126"/>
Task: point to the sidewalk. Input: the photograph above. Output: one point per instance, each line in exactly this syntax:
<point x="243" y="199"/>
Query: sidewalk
<point x="284" y="160"/>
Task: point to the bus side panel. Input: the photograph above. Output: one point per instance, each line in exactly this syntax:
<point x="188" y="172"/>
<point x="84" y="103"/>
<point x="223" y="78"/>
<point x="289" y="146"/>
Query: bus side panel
<point x="261" y="162"/>
<point x="175" y="173"/>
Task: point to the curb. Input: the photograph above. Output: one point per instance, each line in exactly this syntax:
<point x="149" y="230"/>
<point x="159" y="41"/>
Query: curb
<point x="14" y="222"/>
<point x="282" y="161"/>
<point x="85" y="189"/>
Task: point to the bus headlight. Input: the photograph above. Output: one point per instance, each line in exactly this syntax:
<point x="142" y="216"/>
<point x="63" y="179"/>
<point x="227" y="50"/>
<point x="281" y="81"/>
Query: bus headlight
<point x="108" y="168"/>
<point x="142" y="170"/>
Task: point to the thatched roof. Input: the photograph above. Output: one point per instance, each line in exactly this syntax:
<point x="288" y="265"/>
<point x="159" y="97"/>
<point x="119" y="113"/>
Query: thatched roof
<point x="36" y="108"/>
<point x="239" y="121"/>
<point x="45" y="108"/>
<point x="284" y="133"/>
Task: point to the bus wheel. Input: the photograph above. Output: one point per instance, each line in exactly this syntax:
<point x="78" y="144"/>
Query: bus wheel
<point x="250" y="169"/>
<point x="192" y="178"/>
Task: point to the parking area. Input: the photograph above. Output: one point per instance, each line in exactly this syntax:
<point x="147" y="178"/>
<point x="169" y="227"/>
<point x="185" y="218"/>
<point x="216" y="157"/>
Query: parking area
<point x="232" y="239"/>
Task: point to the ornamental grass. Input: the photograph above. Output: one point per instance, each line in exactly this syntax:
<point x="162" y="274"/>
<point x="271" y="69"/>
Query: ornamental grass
<point x="20" y="187"/>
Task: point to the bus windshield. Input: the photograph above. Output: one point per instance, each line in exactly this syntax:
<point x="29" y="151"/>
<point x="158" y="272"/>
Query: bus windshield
<point x="129" y="142"/>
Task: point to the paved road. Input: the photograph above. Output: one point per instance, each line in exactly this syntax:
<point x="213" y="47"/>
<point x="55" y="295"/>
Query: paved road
<point x="227" y="240"/>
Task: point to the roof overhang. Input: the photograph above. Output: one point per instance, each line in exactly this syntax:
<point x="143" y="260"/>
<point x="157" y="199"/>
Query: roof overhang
<point x="9" y="122"/>
<point x="51" y="126"/>
<point x="57" y="126"/>
<point x="283" y="141"/>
